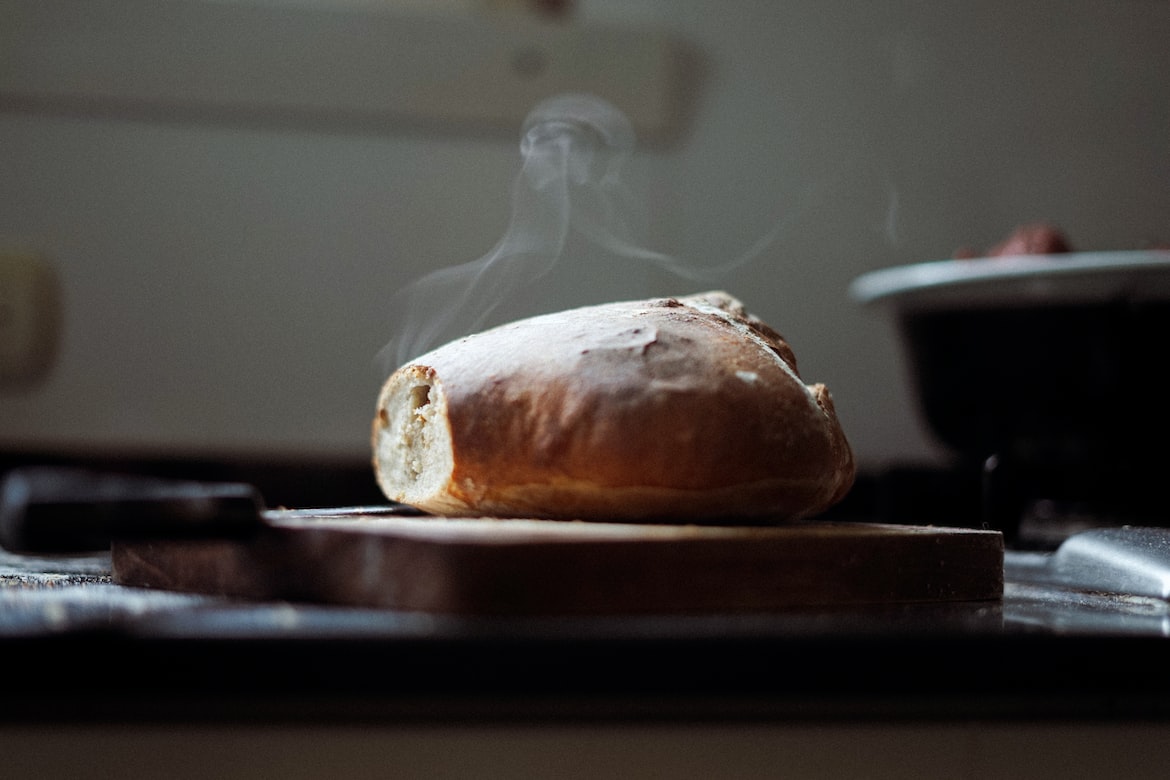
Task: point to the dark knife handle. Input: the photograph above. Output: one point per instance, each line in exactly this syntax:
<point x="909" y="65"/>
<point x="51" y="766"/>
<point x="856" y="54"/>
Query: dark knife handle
<point x="68" y="510"/>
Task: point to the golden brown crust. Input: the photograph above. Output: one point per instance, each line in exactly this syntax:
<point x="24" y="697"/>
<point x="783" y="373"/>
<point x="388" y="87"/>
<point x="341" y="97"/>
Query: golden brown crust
<point x="685" y="409"/>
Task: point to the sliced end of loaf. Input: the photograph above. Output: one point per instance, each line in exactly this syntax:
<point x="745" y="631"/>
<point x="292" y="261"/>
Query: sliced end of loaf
<point x="413" y="454"/>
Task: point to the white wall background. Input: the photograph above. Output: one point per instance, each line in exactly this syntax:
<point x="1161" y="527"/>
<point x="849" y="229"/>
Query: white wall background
<point x="226" y="282"/>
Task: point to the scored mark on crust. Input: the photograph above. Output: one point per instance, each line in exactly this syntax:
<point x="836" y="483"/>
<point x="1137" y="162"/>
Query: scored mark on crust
<point x="752" y="334"/>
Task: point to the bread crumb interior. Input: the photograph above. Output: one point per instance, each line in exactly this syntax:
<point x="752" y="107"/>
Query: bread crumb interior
<point x="414" y="456"/>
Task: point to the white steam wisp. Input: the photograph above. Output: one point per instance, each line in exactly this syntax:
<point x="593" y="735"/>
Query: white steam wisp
<point x="573" y="147"/>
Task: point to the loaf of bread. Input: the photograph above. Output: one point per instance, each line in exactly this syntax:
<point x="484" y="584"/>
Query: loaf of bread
<point x="673" y="410"/>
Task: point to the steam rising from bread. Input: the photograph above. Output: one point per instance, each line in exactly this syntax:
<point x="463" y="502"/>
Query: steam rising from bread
<point x="573" y="148"/>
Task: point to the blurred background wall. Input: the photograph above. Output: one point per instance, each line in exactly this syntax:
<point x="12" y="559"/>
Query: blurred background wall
<point x="225" y="262"/>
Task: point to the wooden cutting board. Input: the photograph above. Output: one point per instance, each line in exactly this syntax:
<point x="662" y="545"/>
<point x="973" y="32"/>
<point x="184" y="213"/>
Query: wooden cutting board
<point x="531" y="567"/>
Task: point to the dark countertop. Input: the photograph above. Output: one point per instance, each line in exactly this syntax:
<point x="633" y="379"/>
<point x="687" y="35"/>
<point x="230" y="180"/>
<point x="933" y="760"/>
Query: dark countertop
<point x="106" y="681"/>
<point x="84" y="650"/>
<point x="90" y="650"/>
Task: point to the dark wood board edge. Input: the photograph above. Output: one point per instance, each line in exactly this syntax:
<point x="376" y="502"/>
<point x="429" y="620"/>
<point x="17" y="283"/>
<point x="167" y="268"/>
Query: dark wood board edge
<point x="342" y="566"/>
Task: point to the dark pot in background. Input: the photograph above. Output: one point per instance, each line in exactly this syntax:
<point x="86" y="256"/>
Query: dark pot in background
<point x="1043" y="364"/>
